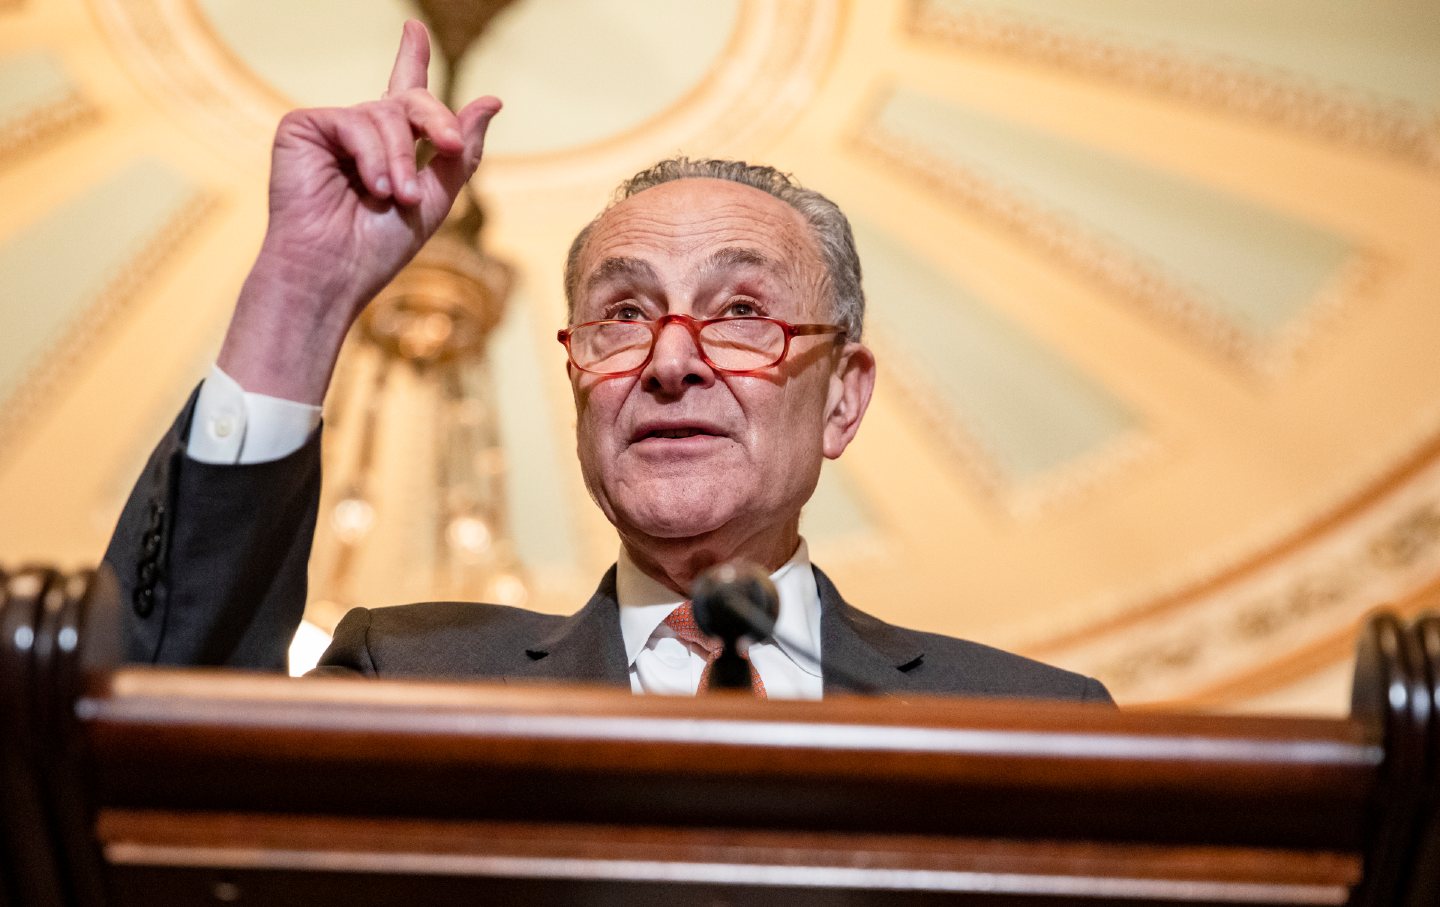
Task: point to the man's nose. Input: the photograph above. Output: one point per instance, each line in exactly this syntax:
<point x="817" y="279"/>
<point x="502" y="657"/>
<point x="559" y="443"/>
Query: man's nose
<point x="676" y="362"/>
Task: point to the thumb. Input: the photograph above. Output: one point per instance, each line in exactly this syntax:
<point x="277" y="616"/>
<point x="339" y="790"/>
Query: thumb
<point x="475" y="120"/>
<point x="454" y="170"/>
<point x="446" y="175"/>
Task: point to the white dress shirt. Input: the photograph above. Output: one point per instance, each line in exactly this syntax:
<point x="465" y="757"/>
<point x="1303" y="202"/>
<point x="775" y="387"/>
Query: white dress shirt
<point x="662" y="663"/>
<point x="233" y="426"/>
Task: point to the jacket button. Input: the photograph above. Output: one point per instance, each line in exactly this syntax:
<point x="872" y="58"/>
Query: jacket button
<point x="144" y="601"/>
<point x="151" y="543"/>
<point x="147" y="573"/>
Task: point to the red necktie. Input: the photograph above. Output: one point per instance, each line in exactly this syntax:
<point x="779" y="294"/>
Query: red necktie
<point x="682" y="621"/>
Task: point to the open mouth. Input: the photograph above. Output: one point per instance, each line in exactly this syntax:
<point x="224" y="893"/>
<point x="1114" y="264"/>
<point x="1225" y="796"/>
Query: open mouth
<point x="676" y="433"/>
<point x="673" y="432"/>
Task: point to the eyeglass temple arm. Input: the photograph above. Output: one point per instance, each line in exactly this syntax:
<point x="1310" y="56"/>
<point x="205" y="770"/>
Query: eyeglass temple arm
<point x="806" y="329"/>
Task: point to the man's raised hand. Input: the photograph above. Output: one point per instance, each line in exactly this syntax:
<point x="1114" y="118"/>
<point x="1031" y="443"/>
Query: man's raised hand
<point x="348" y="209"/>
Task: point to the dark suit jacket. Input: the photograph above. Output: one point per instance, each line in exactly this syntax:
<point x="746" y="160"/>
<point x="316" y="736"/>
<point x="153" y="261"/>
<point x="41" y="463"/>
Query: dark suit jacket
<point x="212" y="561"/>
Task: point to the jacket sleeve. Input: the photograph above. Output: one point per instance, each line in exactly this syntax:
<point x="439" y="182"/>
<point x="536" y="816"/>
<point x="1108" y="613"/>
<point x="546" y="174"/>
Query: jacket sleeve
<point x="1095" y="692"/>
<point x="349" y="652"/>
<point x="211" y="560"/>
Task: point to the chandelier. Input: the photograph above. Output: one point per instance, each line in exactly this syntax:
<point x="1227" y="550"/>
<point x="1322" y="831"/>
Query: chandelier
<point x="413" y="497"/>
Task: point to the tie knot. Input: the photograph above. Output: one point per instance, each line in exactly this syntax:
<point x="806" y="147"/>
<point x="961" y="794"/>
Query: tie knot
<point x="682" y="621"/>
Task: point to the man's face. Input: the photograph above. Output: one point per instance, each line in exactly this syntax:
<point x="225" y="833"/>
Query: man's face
<point x="678" y="449"/>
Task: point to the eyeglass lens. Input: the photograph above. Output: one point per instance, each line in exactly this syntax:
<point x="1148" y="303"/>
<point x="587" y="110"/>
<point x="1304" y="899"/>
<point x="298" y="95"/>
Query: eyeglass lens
<point x="735" y="344"/>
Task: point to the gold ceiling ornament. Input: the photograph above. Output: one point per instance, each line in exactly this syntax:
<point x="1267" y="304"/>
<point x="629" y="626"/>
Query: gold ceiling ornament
<point x="457" y="25"/>
<point x="433" y="323"/>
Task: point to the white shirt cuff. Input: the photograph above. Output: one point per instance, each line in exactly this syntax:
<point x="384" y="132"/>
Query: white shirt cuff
<point x="232" y="426"/>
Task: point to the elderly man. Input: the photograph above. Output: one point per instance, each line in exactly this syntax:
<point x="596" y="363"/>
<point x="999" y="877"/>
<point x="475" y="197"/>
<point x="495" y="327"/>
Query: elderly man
<point x="715" y="357"/>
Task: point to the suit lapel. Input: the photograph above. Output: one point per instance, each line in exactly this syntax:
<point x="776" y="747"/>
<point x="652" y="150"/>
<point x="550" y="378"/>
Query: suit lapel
<point x="587" y="646"/>
<point x="872" y="654"/>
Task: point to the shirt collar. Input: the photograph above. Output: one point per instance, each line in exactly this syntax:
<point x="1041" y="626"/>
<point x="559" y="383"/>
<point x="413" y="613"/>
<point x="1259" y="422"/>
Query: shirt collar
<point x="645" y="603"/>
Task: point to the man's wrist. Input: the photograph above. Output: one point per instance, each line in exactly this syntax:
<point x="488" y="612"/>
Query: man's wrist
<point x="284" y="337"/>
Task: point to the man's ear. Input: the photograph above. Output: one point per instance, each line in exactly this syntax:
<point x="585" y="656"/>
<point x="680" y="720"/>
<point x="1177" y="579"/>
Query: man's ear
<point x="851" y="384"/>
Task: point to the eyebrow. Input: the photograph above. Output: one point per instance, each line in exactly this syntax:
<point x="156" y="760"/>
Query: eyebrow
<point x="616" y="269"/>
<point x="736" y="257"/>
<point x="621" y="268"/>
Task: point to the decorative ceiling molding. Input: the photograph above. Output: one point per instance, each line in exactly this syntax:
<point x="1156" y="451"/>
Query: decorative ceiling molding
<point x="58" y="366"/>
<point x="1015" y="409"/>
<point x="37" y="129"/>
<point x="1305" y="595"/>
<point x="1034" y="497"/>
<point x="775" y="65"/>
<point x="1347" y="117"/>
<point x="1028" y="425"/>
<point x="1324" y="654"/>
<point x="172" y="51"/>
<point x="1126" y="272"/>
<point x="45" y="106"/>
<point x="776" y="61"/>
<point x="1396" y="471"/>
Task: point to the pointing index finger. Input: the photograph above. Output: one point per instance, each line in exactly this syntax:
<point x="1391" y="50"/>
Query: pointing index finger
<point x="413" y="59"/>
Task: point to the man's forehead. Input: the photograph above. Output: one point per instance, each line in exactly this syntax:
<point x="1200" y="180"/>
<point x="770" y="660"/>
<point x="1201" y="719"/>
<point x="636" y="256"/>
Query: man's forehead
<point x="713" y="224"/>
<point x="695" y="196"/>
<point x="623" y="268"/>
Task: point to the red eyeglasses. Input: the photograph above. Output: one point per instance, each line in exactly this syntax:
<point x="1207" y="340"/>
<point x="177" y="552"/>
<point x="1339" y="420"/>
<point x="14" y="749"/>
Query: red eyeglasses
<point x="731" y="345"/>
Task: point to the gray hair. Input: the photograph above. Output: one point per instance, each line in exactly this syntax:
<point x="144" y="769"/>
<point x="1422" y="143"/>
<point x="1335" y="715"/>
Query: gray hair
<point x="827" y="222"/>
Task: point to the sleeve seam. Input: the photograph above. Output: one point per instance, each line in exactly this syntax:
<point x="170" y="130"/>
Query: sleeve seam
<point x="369" y="656"/>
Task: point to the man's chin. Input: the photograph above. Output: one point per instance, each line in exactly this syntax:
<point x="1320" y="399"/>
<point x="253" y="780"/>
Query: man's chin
<point x="673" y="520"/>
<point x="672" y="530"/>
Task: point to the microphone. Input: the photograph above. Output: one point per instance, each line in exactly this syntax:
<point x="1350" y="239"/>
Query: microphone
<point x="732" y="600"/>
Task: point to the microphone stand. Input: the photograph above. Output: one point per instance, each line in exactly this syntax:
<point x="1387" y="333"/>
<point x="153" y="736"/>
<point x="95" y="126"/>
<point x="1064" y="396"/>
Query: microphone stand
<point x="730" y="671"/>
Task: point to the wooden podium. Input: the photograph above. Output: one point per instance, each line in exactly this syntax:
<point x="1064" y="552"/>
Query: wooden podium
<point x="138" y="786"/>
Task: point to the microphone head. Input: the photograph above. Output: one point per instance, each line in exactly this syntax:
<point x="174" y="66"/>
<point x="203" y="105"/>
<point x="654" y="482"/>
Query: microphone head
<point x="733" y="600"/>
